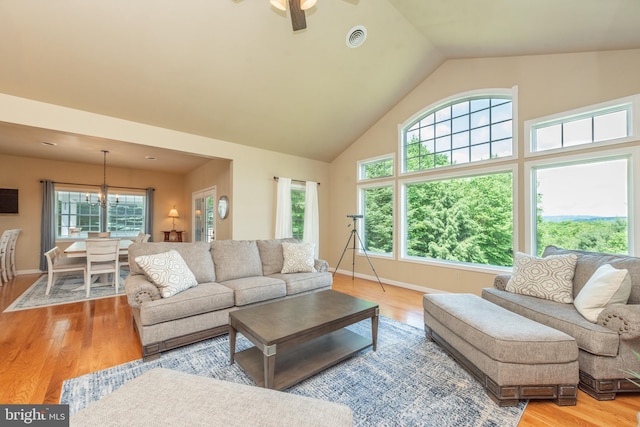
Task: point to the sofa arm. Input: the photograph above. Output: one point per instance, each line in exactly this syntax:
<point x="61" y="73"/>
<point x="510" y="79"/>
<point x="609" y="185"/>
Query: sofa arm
<point x="321" y="265"/>
<point x="140" y="290"/>
<point x="622" y="318"/>
<point x="500" y="281"/>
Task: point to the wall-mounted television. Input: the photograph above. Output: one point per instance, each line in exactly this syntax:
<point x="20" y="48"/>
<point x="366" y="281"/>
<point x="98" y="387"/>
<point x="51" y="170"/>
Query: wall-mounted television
<point x="8" y="200"/>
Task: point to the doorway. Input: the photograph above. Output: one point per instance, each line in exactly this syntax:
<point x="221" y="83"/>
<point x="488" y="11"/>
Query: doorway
<point x="204" y="215"/>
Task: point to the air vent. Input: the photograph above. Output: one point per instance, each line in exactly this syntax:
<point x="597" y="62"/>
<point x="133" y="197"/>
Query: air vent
<point x="356" y="36"/>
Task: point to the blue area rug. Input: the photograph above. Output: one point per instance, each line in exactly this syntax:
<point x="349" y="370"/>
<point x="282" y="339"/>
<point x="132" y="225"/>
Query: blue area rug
<point x="408" y="381"/>
<point x="67" y="288"/>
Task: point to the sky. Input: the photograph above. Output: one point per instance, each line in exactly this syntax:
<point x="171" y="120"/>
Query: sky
<point x="595" y="189"/>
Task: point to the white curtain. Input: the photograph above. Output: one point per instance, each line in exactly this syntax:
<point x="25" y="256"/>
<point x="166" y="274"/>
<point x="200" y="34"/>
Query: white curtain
<point x="283" y="209"/>
<point x="311" y="216"/>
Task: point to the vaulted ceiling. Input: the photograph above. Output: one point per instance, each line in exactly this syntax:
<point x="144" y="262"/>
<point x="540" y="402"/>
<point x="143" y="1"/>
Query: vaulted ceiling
<point x="234" y="70"/>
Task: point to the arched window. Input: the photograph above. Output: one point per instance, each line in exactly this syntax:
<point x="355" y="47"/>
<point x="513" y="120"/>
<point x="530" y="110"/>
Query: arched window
<point x="461" y="131"/>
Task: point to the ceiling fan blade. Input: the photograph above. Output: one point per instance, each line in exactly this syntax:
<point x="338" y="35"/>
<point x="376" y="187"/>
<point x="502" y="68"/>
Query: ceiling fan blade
<point x="298" y="19"/>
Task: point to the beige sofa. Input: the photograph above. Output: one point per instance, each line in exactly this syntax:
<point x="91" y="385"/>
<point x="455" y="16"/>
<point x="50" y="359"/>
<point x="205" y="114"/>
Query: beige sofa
<point x="163" y="397"/>
<point x="605" y="347"/>
<point x="230" y="274"/>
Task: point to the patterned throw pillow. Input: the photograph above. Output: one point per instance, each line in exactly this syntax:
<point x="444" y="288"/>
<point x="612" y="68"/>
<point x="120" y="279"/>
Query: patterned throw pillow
<point x="168" y="272"/>
<point x="549" y="278"/>
<point x="298" y="258"/>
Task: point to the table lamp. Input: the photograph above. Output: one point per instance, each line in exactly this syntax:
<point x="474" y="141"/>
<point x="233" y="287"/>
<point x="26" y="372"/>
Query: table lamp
<point x="173" y="213"/>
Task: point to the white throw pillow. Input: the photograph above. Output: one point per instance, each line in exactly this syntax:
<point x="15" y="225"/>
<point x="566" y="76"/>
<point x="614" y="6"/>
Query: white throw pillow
<point x="549" y="278"/>
<point x="298" y="258"/>
<point x="606" y="286"/>
<point x="168" y="272"/>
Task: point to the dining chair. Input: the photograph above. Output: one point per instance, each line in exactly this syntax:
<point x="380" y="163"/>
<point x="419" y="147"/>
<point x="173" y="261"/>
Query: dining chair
<point x="98" y="234"/>
<point x="102" y="258"/>
<point x="4" y="251"/>
<point x="57" y="263"/>
<point x="12" y="251"/>
<point x="141" y="237"/>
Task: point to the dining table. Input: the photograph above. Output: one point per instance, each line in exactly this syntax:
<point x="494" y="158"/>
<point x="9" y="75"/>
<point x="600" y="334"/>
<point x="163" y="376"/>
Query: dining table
<point x="79" y="248"/>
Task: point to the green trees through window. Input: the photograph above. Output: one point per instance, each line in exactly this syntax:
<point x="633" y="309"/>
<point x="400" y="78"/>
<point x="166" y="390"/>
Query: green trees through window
<point x="297" y="212"/>
<point x="583" y="206"/>
<point x="463" y="219"/>
<point x="452" y="198"/>
<point x="378" y="219"/>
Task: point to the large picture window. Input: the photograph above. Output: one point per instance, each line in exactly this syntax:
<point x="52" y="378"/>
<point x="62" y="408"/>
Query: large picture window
<point x="75" y="217"/>
<point x="582" y="205"/>
<point x="463" y="219"/>
<point x="580" y="194"/>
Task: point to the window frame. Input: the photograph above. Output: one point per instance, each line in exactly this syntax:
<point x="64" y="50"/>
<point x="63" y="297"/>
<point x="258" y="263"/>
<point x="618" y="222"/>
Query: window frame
<point x="573" y="158"/>
<point x="442" y="103"/>
<point x="449" y="175"/>
<point x="83" y="191"/>
<point x="631" y="104"/>
<point x="295" y="186"/>
<point x="361" y="210"/>
<point x="361" y="164"/>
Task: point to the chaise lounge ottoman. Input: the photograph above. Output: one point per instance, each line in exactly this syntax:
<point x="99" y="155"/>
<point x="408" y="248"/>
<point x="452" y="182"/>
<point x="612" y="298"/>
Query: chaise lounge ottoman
<point x="513" y="357"/>
<point x="162" y="397"/>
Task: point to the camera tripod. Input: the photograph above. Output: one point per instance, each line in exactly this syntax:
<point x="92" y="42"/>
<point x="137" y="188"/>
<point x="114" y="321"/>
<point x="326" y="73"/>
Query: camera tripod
<point x="353" y="236"/>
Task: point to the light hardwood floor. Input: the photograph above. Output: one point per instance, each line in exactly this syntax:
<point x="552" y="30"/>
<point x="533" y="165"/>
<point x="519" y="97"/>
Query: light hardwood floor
<point x="40" y="348"/>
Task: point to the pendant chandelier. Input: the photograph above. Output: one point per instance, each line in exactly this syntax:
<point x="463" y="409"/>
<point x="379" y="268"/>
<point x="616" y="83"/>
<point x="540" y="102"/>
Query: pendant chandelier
<point x="102" y="194"/>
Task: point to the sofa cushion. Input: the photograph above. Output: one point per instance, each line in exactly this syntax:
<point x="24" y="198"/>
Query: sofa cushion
<point x="204" y="298"/>
<point x="197" y="255"/>
<point x="168" y="272"/>
<point x="549" y="278"/>
<point x="607" y="286"/>
<point x="304" y="282"/>
<point x="590" y="337"/>
<point x="249" y="290"/>
<point x="163" y="397"/>
<point x="271" y="254"/>
<point x="588" y="263"/>
<point x="234" y="259"/>
<point x="298" y="258"/>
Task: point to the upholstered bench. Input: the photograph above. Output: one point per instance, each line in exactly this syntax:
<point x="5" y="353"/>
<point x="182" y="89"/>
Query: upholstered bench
<point x="512" y="356"/>
<point x="165" y="397"/>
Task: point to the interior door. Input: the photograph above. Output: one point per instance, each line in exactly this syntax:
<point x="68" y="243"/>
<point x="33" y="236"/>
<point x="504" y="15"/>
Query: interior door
<point x="204" y="215"/>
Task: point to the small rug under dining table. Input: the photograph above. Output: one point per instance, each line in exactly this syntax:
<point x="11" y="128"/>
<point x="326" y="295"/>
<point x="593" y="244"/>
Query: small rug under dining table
<point x="67" y="288"/>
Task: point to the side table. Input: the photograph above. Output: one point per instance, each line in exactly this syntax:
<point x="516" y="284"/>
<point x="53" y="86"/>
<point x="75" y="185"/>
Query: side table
<point x="167" y="236"/>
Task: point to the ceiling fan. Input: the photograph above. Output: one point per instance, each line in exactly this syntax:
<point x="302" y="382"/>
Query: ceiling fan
<point x="296" y="10"/>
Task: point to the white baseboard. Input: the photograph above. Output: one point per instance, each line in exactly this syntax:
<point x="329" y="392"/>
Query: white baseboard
<point x="393" y="282"/>
<point x="21" y="272"/>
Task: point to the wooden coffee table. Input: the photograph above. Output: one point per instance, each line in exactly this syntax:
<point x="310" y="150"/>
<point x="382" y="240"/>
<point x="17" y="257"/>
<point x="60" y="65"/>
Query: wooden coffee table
<point x="298" y="337"/>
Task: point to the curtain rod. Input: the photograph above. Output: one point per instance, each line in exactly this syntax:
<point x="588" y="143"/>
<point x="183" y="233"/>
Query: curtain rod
<point x="294" y="180"/>
<point x="97" y="185"/>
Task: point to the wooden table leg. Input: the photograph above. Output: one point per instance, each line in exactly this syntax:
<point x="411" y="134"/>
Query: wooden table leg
<point x="232" y="343"/>
<point x="269" y="369"/>
<point x="374" y="330"/>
